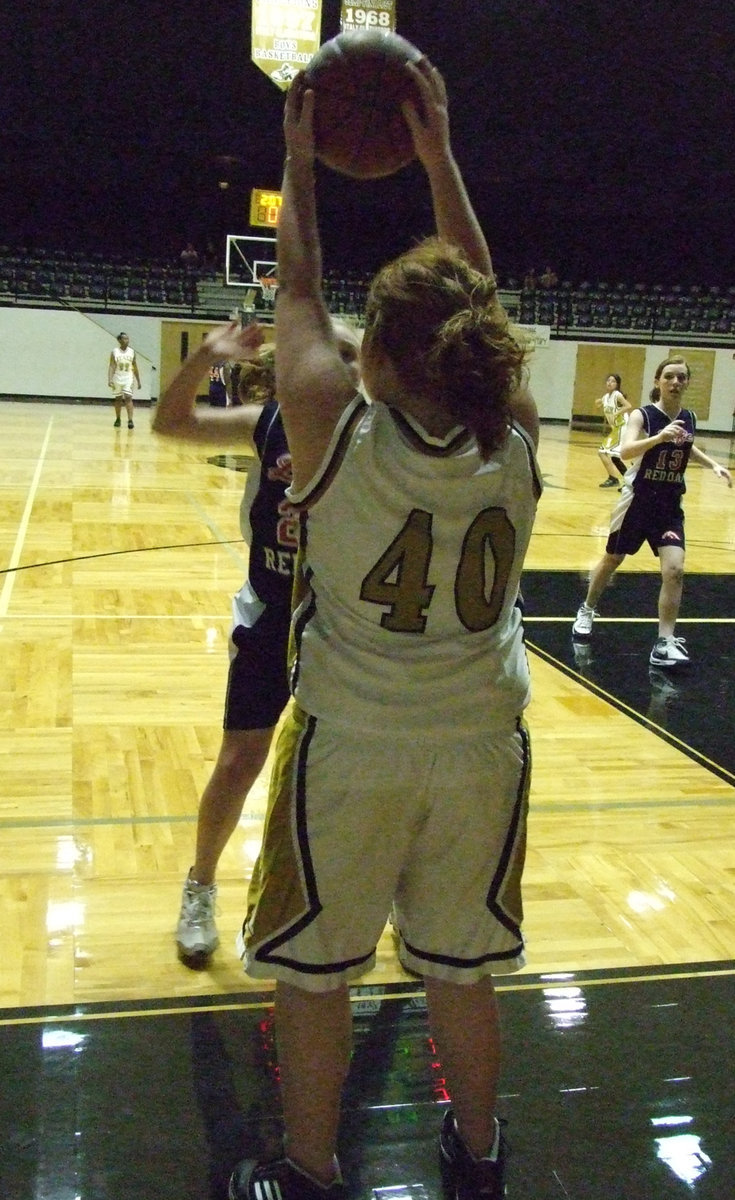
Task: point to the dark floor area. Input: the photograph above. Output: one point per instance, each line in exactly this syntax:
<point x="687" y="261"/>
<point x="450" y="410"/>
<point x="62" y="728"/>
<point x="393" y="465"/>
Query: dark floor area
<point x="615" y="1088"/>
<point x="689" y="706"/>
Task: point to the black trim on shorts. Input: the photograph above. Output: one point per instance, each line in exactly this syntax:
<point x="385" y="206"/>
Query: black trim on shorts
<point x="510" y="841"/>
<point x="448" y="960"/>
<point x="265" y="953"/>
<point x="310" y="968"/>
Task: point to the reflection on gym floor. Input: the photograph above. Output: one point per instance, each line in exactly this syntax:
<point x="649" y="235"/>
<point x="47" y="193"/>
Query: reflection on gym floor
<point x="614" y="1085"/>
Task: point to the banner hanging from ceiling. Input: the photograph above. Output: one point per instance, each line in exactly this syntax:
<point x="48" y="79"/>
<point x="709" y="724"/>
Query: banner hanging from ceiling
<point x="368" y="14"/>
<point x="285" y="37"/>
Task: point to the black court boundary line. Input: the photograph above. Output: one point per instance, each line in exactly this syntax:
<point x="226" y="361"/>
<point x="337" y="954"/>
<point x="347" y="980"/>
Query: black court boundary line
<point x="75" y="558"/>
<point x="581" y="572"/>
<point x="244" y="1001"/>
<point x="696" y="756"/>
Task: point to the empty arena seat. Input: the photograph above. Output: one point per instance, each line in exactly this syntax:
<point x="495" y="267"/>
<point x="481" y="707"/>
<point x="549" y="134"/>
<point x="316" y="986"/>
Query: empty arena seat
<point x="117" y="288"/>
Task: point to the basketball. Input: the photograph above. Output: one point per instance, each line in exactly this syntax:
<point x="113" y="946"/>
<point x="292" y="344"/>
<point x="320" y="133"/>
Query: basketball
<point x="359" y="81"/>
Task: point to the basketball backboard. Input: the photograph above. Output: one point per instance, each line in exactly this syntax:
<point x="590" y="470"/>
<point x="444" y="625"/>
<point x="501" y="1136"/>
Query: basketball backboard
<point x="248" y="260"/>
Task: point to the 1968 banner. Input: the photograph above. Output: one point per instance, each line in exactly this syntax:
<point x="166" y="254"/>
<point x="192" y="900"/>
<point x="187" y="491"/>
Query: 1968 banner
<point x="368" y="14"/>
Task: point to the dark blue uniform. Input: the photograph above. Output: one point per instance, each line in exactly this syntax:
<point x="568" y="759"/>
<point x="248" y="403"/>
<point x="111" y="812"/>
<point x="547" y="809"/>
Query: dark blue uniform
<point x="257" y="687"/>
<point x="273" y="521"/>
<point x="217" y="389"/>
<point x="650" y="506"/>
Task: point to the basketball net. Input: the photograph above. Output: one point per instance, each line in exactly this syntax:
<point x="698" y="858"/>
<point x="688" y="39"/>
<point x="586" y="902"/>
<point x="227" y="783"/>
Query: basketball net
<point x="269" y="287"/>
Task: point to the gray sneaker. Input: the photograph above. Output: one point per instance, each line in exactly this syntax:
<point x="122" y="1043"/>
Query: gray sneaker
<point x="582" y="627"/>
<point x="196" y="932"/>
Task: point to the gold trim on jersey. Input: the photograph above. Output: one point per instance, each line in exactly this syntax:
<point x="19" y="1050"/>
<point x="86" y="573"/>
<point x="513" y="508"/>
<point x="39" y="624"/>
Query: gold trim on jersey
<point x="334" y="456"/>
<point x="417" y="437"/>
<point x="538" y="483"/>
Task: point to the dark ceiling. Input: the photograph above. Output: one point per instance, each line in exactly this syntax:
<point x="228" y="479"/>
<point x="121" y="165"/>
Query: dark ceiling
<point x="595" y="136"/>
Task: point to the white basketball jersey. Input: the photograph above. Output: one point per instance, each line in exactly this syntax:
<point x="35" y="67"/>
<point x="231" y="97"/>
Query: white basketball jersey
<point x="412" y="551"/>
<point x="123" y="360"/>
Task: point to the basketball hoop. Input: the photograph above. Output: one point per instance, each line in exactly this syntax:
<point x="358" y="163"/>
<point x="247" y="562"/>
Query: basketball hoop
<point x="269" y="287"/>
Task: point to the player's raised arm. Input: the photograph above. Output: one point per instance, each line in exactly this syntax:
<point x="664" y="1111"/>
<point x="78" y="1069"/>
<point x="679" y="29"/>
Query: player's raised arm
<point x="454" y="215"/>
<point x="176" y="413"/>
<point x="313" y="385"/>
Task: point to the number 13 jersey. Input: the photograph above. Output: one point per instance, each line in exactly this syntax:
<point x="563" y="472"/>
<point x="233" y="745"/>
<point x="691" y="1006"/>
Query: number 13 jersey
<point x="412" y="549"/>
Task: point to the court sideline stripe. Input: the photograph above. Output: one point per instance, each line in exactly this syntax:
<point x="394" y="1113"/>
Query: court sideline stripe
<point x="639" y="718"/>
<point x="184" y="1009"/>
<point x="23" y="526"/>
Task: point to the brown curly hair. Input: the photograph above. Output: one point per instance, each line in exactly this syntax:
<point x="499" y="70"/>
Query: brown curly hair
<point x="257" y="382"/>
<point x="445" y="333"/>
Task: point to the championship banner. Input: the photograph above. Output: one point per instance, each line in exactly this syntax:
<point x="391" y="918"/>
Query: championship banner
<point x="368" y="14"/>
<point x="285" y="37"/>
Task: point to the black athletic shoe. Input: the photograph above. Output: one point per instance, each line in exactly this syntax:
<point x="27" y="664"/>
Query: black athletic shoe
<point x="116" y="424"/>
<point x="610" y="482"/>
<point x="465" y="1177"/>
<point x="279" y="1180"/>
<point x="131" y="425"/>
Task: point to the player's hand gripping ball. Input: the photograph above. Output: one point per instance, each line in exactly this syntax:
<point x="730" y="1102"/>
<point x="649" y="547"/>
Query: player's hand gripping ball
<point x="359" y="82"/>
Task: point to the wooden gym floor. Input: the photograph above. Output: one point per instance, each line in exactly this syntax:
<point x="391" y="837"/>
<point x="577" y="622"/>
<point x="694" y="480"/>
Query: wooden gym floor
<point x="119" y="554"/>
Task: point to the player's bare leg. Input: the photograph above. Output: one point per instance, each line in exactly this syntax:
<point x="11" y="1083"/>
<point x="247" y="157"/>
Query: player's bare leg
<point x="600" y="576"/>
<point x="241" y="758"/>
<point x="671" y="559"/>
<point x="314" y="1035"/>
<point x="465" y="1024"/>
<point x="607" y="465"/>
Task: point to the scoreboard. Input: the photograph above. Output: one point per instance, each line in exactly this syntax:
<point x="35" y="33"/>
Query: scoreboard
<point x="265" y="207"/>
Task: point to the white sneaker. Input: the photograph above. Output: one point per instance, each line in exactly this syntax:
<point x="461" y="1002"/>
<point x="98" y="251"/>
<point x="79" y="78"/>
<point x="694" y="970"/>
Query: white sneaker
<point x="582" y="627"/>
<point x="669" y="652"/>
<point x="196" y="932"/>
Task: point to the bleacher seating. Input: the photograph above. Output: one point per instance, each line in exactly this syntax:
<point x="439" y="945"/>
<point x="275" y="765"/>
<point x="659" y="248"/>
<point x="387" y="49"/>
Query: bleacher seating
<point x="57" y="277"/>
<point x="637" y="311"/>
<point x="586" y="309"/>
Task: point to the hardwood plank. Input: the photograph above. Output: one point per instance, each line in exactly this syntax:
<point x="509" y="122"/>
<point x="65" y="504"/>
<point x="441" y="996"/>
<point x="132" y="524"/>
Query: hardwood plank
<point x="112" y="675"/>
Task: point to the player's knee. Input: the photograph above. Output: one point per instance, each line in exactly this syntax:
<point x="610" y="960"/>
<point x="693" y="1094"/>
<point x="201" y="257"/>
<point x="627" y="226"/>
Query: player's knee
<point x="243" y="755"/>
<point x="673" y="574"/>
